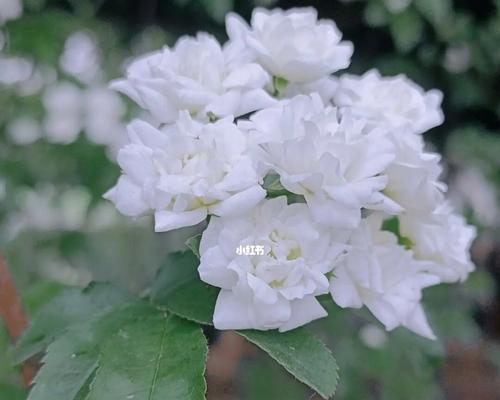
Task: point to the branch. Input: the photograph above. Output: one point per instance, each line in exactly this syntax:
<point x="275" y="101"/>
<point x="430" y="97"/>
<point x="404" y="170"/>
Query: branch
<point x="12" y="313"/>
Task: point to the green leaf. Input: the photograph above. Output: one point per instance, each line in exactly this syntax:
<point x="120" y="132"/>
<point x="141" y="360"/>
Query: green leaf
<point x="193" y="244"/>
<point x="279" y="85"/>
<point x="69" y="362"/>
<point x="272" y="183"/>
<point x="406" y="29"/>
<point x="301" y="354"/>
<point x="392" y="225"/>
<point x="154" y="356"/>
<point x="274" y="188"/>
<point x="70" y="307"/>
<point x="42" y="35"/>
<point x="132" y="352"/>
<point x="11" y="392"/>
<point x="434" y="11"/>
<point x="375" y="14"/>
<point x="179" y="289"/>
<point x="217" y="9"/>
<point x="39" y="294"/>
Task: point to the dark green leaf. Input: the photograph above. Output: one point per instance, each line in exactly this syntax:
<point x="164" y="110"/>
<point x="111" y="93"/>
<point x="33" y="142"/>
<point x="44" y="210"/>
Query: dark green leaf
<point x="40" y="294"/>
<point x="301" y="354"/>
<point x="406" y="29"/>
<point x="11" y="392"/>
<point x="179" y="289"/>
<point x="133" y="352"/>
<point x="434" y="11"/>
<point x="70" y="307"/>
<point x="375" y="14"/>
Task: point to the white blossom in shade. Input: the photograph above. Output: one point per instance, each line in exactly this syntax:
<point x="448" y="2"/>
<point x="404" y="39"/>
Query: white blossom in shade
<point x="395" y="100"/>
<point x="24" y="130"/>
<point x="199" y="76"/>
<point x="185" y="172"/>
<point x="293" y="44"/>
<point x="470" y="188"/>
<point x="80" y="57"/>
<point x="15" y="70"/>
<point x="63" y="105"/>
<point x="335" y="161"/>
<point x="104" y="111"/>
<point x="276" y="289"/>
<point x="442" y="238"/>
<point x="413" y="176"/>
<point x="47" y="208"/>
<point x="9" y="10"/>
<point x="383" y="276"/>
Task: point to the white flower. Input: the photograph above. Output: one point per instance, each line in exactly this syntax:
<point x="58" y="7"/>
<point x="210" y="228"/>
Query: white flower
<point x="24" y="130"/>
<point x="96" y="110"/>
<point x="277" y="289"/>
<point x="292" y="44"/>
<point x="184" y="172"/>
<point x="413" y="176"/>
<point x="442" y="238"/>
<point x="10" y="9"/>
<point x="63" y="103"/>
<point x="334" y="161"/>
<point x="395" y="100"/>
<point x="383" y="276"/>
<point x="472" y="189"/>
<point x="104" y="110"/>
<point x="15" y="70"/>
<point x="80" y="58"/>
<point x="199" y="76"/>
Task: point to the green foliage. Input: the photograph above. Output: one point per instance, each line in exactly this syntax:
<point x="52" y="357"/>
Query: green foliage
<point x="11" y="392"/>
<point x="132" y="352"/>
<point x="42" y="35"/>
<point x="274" y="188"/>
<point x="375" y="369"/>
<point x="71" y="307"/>
<point x="179" y="289"/>
<point x="279" y="85"/>
<point x="255" y="373"/>
<point x="406" y="29"/>
<point x="40" y="294"/>
<point x="434" y="11"/>
<point x="305" y="357"/>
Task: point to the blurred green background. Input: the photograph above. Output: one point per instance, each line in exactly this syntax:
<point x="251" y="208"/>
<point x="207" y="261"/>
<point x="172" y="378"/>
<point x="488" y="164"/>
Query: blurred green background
<point x="55" y="230"/>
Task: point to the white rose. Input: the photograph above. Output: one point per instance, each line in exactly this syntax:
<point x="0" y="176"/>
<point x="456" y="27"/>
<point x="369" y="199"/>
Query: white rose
<point x="396" y="100"/>
<point x="291" y="44"/>
<point x="197" y="75"/>
<point x="443" y="238"/>
<point x="383" y="276"/>
<point x="413" y="176"/>
<point x="185" y="172"/>
<point x="334" y="161"/>
<point x="276" y="289"/>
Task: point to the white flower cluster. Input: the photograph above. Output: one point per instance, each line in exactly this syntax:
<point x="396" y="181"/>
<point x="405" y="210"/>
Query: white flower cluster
<point x="70" y="109"/>
<point x="9" y="10"/>
<point x="348" y="150"/>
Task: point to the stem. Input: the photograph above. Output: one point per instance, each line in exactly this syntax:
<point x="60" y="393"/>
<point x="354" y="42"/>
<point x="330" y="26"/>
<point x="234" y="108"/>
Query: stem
<point x="12" y="313"/>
